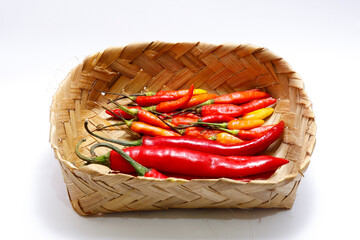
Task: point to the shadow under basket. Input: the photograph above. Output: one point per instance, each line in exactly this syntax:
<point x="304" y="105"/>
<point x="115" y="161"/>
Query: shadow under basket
<point x="153" y="66"/>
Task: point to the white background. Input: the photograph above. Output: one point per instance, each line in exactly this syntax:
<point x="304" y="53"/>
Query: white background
<point x="40" y="41"/>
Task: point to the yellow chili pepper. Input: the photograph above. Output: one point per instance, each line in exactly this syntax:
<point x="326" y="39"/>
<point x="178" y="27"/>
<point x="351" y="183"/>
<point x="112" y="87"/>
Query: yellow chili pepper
<point x="245" y="123"/>
<point x="259" y="114"/>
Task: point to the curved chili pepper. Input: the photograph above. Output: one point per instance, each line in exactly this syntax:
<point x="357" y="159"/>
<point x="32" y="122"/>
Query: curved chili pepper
<point x="200" y="164"/>
<point x="235" y="110"/>
<point x="112" y="158"/>
<point x="173" y="105"/>
<point x="261" y="113"/>
<point x="245" y="148"/>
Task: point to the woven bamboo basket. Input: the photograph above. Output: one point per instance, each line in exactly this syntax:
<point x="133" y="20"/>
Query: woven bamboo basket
<point x="154" y="66"/>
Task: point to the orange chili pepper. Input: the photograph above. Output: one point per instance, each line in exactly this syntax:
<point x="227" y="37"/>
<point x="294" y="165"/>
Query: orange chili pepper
<point x="148" y="129"/>
<point x="198" y="99"/>
<point x="226" y="138"/>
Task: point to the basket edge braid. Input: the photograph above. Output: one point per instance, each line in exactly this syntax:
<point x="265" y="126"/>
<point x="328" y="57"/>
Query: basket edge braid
<point x="161" y="65"/>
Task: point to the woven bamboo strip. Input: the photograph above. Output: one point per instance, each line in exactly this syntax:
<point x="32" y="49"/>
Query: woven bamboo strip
<point x="152" y="66"/>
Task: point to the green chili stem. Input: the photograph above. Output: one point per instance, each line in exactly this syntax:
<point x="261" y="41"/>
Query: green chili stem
<point x="107" y="126"/>
<point x="140" y="169"/>
<point x="124" y="143"/>
<point x="103" y="160"/>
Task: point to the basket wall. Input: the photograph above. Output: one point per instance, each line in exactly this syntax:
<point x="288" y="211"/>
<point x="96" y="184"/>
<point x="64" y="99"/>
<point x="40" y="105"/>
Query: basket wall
<point x="154" y="66"/>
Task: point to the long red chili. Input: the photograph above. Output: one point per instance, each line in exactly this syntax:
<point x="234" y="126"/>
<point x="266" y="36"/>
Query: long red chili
<point x="112" y="158"/>
<point x="245" y="148"/>
<point x="195" y="163"/>
<point x="235" y="110"/>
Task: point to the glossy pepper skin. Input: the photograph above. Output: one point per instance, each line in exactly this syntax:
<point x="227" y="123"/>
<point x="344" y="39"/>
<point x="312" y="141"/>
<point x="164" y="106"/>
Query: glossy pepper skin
<point x="171" y="106"/>
<point x="146" y="117"/>
<point x="241" y="97"/>
<point x="147" y="129"/>
<point x="198" y="99"/>
<point x="236" y="110"/>
<point x="195" y="163"/>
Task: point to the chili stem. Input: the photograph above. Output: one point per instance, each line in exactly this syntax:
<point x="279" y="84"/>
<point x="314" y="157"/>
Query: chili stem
<point x="120" y="142"/>
<point x="103" y="160"/>
<point x="140" y="169"/>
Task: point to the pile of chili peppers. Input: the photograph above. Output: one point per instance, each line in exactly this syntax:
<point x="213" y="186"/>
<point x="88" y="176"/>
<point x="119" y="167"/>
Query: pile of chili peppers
<point x="193" y="134"/>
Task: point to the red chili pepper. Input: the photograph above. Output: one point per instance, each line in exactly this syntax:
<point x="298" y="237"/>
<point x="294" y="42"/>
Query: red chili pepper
<point x="146" y="101"/>
<point x="262" y="129"/>
<point x="195" y="163"/>
<point x="235" y="110"/>
<point x="146" y="117"/>
<point x="173" y="105"/>
<point x="112" y="159"/>
<point x="241" y="97"/>
<point x="205" y="145"/>
<point x="119" y="112"/>
<point x="217" y="118"/>
<point x="144" y="128"/>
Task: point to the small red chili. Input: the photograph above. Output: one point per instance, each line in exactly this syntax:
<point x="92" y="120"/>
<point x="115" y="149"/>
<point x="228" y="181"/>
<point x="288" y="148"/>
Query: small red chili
<point x="170" y="106"/>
